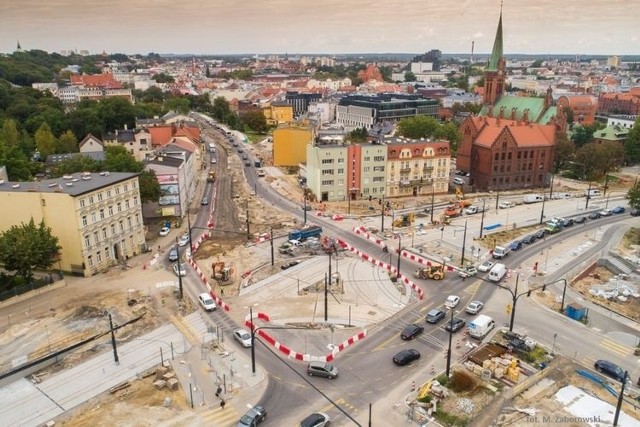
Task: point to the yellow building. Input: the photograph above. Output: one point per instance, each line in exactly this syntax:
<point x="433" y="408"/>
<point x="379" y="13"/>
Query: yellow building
<point x="278" y="113"/>
<point x="290" y="145"/>
<point x="97" y="217"/>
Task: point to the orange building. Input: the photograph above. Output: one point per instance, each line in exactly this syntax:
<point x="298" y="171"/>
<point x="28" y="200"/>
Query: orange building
<point x="583" y="107"/>
<point x="620" y="103"/>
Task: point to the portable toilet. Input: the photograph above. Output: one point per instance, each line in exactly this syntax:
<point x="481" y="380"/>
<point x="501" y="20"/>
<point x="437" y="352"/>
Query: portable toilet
<point x="576" y="311"/>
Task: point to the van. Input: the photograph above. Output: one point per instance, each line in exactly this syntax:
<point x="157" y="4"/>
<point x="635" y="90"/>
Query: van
<point x="500" y="252"/>
<point x="594" y="192"/>
<point x="481" y="326"/>
<point x="532" y="198"/>
<point x="497" y="272"/>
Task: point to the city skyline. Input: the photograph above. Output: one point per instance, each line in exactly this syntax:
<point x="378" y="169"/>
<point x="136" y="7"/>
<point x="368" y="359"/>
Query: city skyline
<point x="604" y="27"/>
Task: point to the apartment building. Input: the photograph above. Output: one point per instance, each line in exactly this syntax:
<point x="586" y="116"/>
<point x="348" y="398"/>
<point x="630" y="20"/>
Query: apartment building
<point x="97" y="217"/>
<point x="417" y="167"/>
<point x="290" y="145"/>
<point x="366" y="170"/>
<point x="327" y="171"/>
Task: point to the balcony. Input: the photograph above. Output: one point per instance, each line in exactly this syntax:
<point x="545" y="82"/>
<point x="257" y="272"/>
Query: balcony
<point x="405" y="168"/>
<point x="405" y="183"/>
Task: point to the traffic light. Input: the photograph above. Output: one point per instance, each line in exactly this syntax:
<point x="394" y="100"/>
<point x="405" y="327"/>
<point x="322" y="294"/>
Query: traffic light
<point x="508" y="308"/>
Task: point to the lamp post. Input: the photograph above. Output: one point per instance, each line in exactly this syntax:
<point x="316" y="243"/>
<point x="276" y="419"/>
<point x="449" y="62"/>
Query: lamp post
<point x="464" y="242"/>
<point x="620" y="399"/>
<point x="189" y="232"/>
<point x="399" y="252"/>
<point x="113" y="340"/>
<point x="484" y="201"/>
<point x="432" y="196"/>
<point x="179" y="269"/>
<point x="382" y="207"/>
<point x="586" y="204"/>
<point x="544" y="199"/>
<point x="564" y="291"/>
<point x="450" y="339"/>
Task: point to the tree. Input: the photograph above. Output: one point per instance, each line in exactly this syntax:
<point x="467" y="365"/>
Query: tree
<point x="633" y="196"/>
<point x="256" y="121"/>
<point x="149" y="186"/>
<point x="67" y="143"/>
<point x="632" y="144"/>
<point x="565" y="149"/>
<point x="163" y="78"/>
<point x="409" y="76"/>
<point x="449" y="132"/>
<point x="115" y="113"/>
<point x="220" y="108"/>
<point x="45" y="141"/>
<point x="9" y="135"/>
<point x="358" y="135"/>
<point x="75" y="164"/>
<point x="118" y="159"/>
<point x="417" y="127"/>
<point x="28" y="247"/>
<point x="179" y="104"/>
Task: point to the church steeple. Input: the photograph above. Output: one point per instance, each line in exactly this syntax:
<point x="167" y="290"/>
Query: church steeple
<point x="494" y="74"/>
<point x="496" y="53"/>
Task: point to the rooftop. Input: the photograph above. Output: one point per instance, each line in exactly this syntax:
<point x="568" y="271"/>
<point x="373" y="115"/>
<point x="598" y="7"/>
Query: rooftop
<point x="74" y="184"/>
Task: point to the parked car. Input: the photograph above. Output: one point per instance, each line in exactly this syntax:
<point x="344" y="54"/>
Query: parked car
<point x="406" y="356"/>
<point x="173" y="254"/>
<point x="458" y="181"/>
<point x="452" y="301"/>
<point x="567" y="222"/>
<point x="253" y="417"/>
<point x="468" y="271"/>
<point x="605" y="212"/>
<point x="594" y="215"/>
<point x="504" y="205"/>
<point x="289" y="264"/>
<point x="580" y="220"/>
<point x="516" y="245"/>
<point x="164" y="231"/>
<point x="634" y="212"/>
<point x="317" y="419"/>
<point x="322" y="369"/>
<point x="243" y="337"/>
<point x="435" y="315"/>
<point x="610" y="369"/>
<point x="183" y="240"/>
<point x="618" y="210"/>
<point x="411" y="331"/>
<point x="528" y="239"/>
<point x="454" y="325"/>
<point x="180" y="269"/>
<point x="206" y="301"/>
<point x="204" y="201"/>
<point x="474" y="307"/>
<point x="485" y="266"/>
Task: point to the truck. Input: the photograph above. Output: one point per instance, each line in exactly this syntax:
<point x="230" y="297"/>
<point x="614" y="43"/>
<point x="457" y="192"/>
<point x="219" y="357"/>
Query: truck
<point x="306" y="232"/>
<point x="532" y="198"/>
<point x="497" y="272"/>
<point x="212" y="176"/>
<point x="500" y="252"/>
<point x="481" y="326"/>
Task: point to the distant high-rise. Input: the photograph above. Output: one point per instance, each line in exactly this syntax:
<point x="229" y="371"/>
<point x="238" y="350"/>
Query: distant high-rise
<point x="433" y="57"/>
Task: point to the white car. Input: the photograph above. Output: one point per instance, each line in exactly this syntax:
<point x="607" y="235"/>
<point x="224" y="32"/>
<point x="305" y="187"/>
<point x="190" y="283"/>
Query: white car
<point x="474" y="307"/>
<point x="164" y="231"/>
<point x="485" y="266"/>
<point x="180" y="269"/>
<point x="183" y="240"/>
<point x="452" y="301"/>
<point x="206" y="301"/>
<point x="504" y="205"/>
<point x="243" y="337"/>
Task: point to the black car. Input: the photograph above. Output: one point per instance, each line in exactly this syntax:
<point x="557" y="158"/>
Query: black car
<point x="318" y="419"/>
<point x="568" y="222"/>
<point x="289" y="264"/>
<point x="253" y="417"/>
<point x="540" y="233"/>
<point x="454" y="325"/>
<point x="594" y="215"/>
<point x="411" y="331"/>
<point x="529" y="239"/>
<point x="580" y="220"/>
<point x="634" y="212"/>
<point x="406" y="356"/>
<point x="610" y="369"/>
<point x="516" y="245"/>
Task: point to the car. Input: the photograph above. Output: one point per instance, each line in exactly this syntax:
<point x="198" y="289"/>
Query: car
<point x="164" y="231"/>
<point x="634" y="212"/>
<point x="239" y="150"/>
<point x="580" y="220"/>
<point x="206" y="301"/>
<point x="594" y="215"/>
<point x="247" y="164"/>
<point x="605" y="212"/>
<point x="243" y="337"/>
<point x="289" y="264"/>
<point x="516" y="245"/>
<point x="294" y="242"/>
<point x="610" y="369"/>
<point x="204" y="201"/>
<point x="244" y="157"/>
<point x="528" y="239"/>
<point x="180" y="269"/>
<point x="474" y="307"/>
<point x="411" y="331"/>
<point x="458" y="181"/>
<point x="173" y="254"/>
<point x="454" y="325"/>
<point x="405" y="356"/>
<point x="317" y="419"/>
<point x="541" y="233"/>
<point x="485" y="266"/>
<point x="467" y="271"/>
<point x="567" y="222"/>
<point x="253" y="417"/>
<point x="183" y="240"/>
<point x="504" y="205"/>
<point x="213" y="161"/>
<point x="322" y="369"/>
<point x="435" y="315"/>
<point x="618" y="210"/>
<point x="261" y="173"/>
<point x="452" y="301"/>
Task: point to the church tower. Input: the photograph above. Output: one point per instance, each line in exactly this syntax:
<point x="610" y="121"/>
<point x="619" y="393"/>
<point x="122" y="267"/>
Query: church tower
<point x="494" y="74"/>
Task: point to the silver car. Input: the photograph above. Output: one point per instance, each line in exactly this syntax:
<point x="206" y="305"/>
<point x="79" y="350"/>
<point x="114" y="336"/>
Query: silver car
<point x="243" y="337"/>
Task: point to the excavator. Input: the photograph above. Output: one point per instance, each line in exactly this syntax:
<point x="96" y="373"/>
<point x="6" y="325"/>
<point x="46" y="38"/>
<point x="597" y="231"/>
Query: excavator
<point x="405" y="220"/>
<point x="434" y="272"/>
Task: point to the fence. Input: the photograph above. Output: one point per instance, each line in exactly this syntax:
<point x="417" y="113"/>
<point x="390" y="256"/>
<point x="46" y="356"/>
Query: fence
<point x="19" y="290"/>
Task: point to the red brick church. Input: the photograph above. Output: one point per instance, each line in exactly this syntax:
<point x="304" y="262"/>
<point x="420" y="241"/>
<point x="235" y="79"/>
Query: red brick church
<point x="510" y="143"/>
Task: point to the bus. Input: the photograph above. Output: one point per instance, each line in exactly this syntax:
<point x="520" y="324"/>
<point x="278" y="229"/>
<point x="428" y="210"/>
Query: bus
<point x="212" y="147"/>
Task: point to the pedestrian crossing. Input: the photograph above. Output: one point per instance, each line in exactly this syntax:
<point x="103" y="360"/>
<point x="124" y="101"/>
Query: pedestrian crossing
<point x="219" y="417"/>
<point x="616" y="347"/>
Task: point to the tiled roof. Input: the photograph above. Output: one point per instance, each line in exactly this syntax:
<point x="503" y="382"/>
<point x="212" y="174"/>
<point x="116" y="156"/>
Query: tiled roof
<point x="161" y="135"/>
<point x="525" y="134"/>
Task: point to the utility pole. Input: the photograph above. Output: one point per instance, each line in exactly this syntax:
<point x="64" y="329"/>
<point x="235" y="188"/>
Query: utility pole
<point x="586" y="204"/>
<point x="271" y="239"/>
<point x="464" y="241"/>
<point x="399" y="252"/>
<point x="620" y="399"/>
<point x="113" y="341"/>
<point x="382" y="213"/>
<point x="189" y="231"/>
<point x="450" y="338"/>
<point x="497" y="196"/>
<point x="513" y="308"/>
<point x="179" y="268"/>
<point x="304" y="209"/>
<point x="432" y="196"/>
<point x="484" y="201"/>
<point x="248" y="232"/>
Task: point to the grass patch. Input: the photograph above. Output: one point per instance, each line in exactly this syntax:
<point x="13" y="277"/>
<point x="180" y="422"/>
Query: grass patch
<point x="442" y="379"/>
<point x="448" y="419"/>
<point x="537" y="355"/>
<point x="255" y="137"/>
<point x="631" y="237"/>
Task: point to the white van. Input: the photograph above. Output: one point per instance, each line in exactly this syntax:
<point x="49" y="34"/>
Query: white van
<point x="481" y="326"/>
<point x="594" y="192"/>
<point x="497" y="272"/>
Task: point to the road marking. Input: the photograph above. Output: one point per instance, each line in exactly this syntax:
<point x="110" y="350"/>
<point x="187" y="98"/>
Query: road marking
<point x="226" y="417"/>
<point x="472" y="289"/>
<point x="616" y="347"/>
<point x="185" y="329"/>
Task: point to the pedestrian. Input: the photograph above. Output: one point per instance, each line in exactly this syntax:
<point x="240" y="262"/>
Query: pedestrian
<point x="222" y="403"/>
<point x="218" y="391"/>
<point x="221" y="292"/>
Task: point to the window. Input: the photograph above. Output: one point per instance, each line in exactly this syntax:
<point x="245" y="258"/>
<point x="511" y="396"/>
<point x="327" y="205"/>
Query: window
<point x="100" y="196"/>
<point x="367" y="158"/>
<point x="327" y="172"/>
<point x="113" y="229"/>
<point x="82" y="203"/>
<point x="90" y="200"/>
<point x="117" y="190"/>
<point x="126" y="187"/>
<point x="137" y="219"/>
<point x="84" y="220"/>
<point x="104" y="233"/>
<point x="90" y="258"/>
<point x="502" y="157"/>
<point x="378" y="159"/>
<point x="340" y="171"/>
<point x="87" y="242"/>
<point x="340" y="160"/>
<point x="135" y="201"/>
<point x="126" y="203"/>
<point x="110" y="210"/>
<point x="378" y="179"/>
<point x="327" y="161"/>
<point x="129" y="222"/>
<point x="96" y="237"/>
<point x="93" y="217"/>
<point x="519" y="155"/>
<point x="107" y="255"/>
<point x="366" y="169"/>
<point x="133" y="184"/>
<point x="525" y="154"/>
<point x="509" y="156"/>
<point x="99" y="256"/>
<point x="121" y="225"/>
<point x="119" y="207"/>
<point x="101" y="213"/>
<point x="108" y="193"/>
<point x="497" y="157"/>
<point x="329" y="182"/>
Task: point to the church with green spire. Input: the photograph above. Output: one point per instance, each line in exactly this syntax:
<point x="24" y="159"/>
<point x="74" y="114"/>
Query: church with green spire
<point x="510" y="144"/>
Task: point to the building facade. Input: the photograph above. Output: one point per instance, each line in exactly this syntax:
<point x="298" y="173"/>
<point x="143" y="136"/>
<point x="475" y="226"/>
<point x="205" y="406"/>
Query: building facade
<point x="417" y="168"/>
<point x="366" y="170"/>
<point x="176" y="170"/>
<point x="327" y="171"/>
<point x="627" y="103"/>
<point x="97" y="217"/>
<point x="300" y="101"/>
<point x="290" y="145"/>
<point x="583" y="108"/>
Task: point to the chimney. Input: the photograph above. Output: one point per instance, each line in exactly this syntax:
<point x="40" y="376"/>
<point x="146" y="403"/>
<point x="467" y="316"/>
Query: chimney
<point x="513" y="113"/>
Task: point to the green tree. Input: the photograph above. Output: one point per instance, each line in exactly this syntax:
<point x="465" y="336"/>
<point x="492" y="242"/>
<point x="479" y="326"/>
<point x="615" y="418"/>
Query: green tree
<point x="149" y="186"/>
<point x="115" y="113"/>
<point x="220" y="108"/>
<point x="118" y="159"/>
<point x="45" y="141"/>
<point x="449" y="131"/>
<point x="163" y="78"/>
<point x="9" y="135"/>
<point x="179" y="104"/>
<point x="632" y="144"/>
<point x="17" y="163"/>
<point x="28" y="247"/>
<point x="153" y="94"/>
<point x="358" y="135"/>
<point x="633" y="196"/>
<point x="564" y="152"/>
<point x="417" y="127"/>
<point x="255" y="120"/>
<point x="409" y="76"/>
<point x="75" y="164"/>
<point x="67" y="143"/>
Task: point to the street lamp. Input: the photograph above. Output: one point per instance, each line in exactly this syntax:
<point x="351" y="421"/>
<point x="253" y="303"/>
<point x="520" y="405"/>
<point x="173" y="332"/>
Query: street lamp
<point x="399" y="252"/>
<point x="564" y="291"/>
<point x="432" y="196"/>
<point x="484" y="201"/>
<point x="382" y="207"/>
<point x="179" y="268"/>
<point x="450" y="339"/>
<point x="620" y="399"/>
<point x="464" y="242"/>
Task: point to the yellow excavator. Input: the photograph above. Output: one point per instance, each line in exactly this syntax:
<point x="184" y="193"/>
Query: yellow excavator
<point x="434" y="272"/>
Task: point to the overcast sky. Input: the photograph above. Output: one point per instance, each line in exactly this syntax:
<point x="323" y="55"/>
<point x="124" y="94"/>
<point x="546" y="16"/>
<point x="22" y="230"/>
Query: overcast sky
<point x="610" y="27"/>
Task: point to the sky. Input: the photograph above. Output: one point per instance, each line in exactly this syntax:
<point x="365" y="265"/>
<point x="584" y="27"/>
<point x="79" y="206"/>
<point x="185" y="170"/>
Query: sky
<point x="607" y="27"/>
